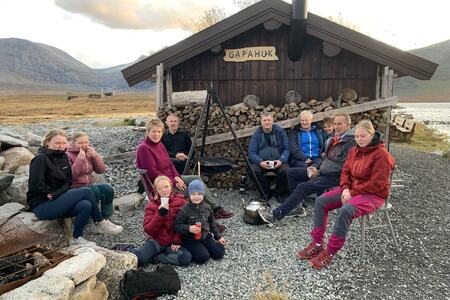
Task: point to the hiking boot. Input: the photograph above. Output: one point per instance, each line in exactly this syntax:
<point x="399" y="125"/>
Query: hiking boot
<point x="80" y="241"/>
<point x="113" y="219"/>
<point x="309" y="252"/>
<point x="221" y="227"/>
<point x="107" y="227"/>
<point x="221" y="213"/>
<point x="323" y="259"/>
<point x="122" y="247"/>
<point x="299" y="211"/>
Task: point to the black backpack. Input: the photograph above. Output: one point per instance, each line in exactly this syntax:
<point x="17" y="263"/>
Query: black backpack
<point x="140" y="284"/>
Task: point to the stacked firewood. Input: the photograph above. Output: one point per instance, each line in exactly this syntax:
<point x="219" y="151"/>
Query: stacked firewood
<point x="242" y="116"/>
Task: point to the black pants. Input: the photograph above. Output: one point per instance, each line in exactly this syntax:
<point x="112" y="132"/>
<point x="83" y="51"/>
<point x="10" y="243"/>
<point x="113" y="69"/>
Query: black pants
<point x="201" y="251"/>
<point x="264" y="181"/>
<point x="179" y="164"/>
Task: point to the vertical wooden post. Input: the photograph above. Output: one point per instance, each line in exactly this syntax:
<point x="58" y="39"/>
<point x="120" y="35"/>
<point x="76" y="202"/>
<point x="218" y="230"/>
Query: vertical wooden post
<point x="390" y="90"/>
<point x="384" y="82"/>
<point x="159" y="86"/>
<point x="169" y="87"/>
<point x="378" y="84"/>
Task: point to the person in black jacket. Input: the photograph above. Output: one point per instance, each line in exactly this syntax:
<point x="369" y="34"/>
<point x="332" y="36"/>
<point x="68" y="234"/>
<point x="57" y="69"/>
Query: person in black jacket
<point x="49" y="195"/>
<point x="177" y="142"/>
<point x="195" y="222"/>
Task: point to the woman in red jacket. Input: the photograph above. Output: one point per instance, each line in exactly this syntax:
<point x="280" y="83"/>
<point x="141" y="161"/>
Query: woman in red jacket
<point x="163" y="244"/>
<point x="364" y="185"/>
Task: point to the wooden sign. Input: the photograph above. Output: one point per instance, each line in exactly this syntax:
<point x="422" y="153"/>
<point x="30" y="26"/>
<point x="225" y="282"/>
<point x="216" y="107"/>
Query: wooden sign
<point x="267" y="53"/>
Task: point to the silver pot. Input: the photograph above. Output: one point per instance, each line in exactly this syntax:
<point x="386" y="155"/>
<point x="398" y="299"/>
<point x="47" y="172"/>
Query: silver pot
<point x="251" y="215"/>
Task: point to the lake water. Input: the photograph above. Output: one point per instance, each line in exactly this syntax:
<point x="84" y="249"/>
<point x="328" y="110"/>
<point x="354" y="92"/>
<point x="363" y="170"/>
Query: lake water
<point x="434" y="113"/>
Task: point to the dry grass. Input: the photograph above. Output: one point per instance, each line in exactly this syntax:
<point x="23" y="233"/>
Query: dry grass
<point x="271" y="292"/>
<point x="25" y="109"/>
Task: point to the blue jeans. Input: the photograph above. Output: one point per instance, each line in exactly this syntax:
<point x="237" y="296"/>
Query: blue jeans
<point x="316" y="185"/>
<point x="79" y="203"/>
<point x="201" y="251"/>
<point x="153" y="252"/>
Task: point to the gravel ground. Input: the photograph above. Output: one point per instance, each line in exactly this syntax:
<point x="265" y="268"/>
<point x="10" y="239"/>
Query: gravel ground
<point x="419" y="270"/>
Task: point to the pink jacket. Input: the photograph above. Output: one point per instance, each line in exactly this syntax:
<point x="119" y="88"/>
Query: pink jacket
<point x="82" y="168"/>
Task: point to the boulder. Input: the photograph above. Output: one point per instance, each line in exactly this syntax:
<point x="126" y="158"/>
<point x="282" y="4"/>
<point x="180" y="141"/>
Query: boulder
<point x="23" y="171"/>
<point x="5" y="181"/>
<point x="41" y="226"/>
<point x="128" y="202"/>
<point x="79" y="268"/>
<point x="16" y="192"/>
<point x="117" y="263"/>
<point x="2" y="161"/>
<point x="91" y="289"/>
<point x="9" y="141"/>
<point x="16" y="157"/>
<point x="34" y="140"/>
<point x="43" y="288"/>
<point x="10" y="209"/>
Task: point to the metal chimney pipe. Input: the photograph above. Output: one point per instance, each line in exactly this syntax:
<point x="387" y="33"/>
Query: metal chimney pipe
<point x="297" y="33"/>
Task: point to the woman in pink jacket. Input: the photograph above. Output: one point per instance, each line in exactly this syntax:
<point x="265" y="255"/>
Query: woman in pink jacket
<point x="84" y="160"/>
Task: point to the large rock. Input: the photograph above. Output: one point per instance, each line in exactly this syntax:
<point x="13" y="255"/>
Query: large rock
<point x="43" y="288"/>
<point x="2" y="161"/>
<point x="41" y="226"/>
<point x="34" y="140"/>
<point x="16" y="192"/>
<point x="23" y="171"/>
<point x="5" y="181"/>
<point x="79" y="268"/>
<point x="10" y="209"/>
<point x="90" y="290"/>
<point x="117" y="263"/>
<point x="16" y="157"/>
<point x="9" y="141"/>
<point x="128" y="202"/>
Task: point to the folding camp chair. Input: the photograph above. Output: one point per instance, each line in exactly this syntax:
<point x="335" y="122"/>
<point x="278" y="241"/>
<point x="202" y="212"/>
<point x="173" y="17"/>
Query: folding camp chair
<point x="385" y="209"/>
<point x="145" y="180"/>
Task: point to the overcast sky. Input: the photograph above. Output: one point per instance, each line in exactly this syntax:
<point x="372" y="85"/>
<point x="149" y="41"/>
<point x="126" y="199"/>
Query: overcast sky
<point x="105" y="33"/>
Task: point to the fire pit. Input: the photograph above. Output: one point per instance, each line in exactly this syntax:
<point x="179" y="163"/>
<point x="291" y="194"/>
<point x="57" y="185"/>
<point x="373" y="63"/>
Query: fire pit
<point x="25" y="254"/>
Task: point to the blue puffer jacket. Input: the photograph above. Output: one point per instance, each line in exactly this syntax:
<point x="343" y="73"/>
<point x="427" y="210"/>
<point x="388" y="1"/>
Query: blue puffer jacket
<point x="259" y="150"/>
<point x="300" y="145"/>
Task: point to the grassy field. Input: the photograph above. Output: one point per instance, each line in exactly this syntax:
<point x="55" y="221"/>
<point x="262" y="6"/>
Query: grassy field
<point x="25" y="109"/>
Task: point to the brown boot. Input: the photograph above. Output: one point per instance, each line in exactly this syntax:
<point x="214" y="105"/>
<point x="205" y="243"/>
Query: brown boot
<point x="323" y="259"/>
<point x="309" y="252"/>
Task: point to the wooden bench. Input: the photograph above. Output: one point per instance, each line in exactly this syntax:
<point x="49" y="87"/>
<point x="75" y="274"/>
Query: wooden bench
<point x="402" y="128"/>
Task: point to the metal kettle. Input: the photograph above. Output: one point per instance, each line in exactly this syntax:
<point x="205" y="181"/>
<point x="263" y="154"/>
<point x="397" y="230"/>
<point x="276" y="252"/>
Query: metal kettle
<point x="251" y="215"/>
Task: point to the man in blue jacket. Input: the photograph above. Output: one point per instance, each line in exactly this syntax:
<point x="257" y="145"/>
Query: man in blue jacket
<point x="319" y="179"/>
<point x="269" y="152"/>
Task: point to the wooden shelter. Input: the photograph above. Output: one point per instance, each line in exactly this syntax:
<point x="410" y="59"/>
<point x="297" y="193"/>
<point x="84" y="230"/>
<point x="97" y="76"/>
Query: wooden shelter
<point x="247" y="53"/>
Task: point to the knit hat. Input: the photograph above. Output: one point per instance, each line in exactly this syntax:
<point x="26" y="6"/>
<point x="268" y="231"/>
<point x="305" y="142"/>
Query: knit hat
<point x="196" y="186"/>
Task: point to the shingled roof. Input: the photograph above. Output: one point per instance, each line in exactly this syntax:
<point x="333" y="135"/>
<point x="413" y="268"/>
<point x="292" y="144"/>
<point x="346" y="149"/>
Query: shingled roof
<point x="402" y="62"/>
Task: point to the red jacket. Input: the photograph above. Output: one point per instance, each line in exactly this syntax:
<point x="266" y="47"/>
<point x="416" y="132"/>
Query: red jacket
<point x="367" y="170"/>
<point x="82" y="168"/>
<point x="161" y="228"/>
<point x="154" y="158"/>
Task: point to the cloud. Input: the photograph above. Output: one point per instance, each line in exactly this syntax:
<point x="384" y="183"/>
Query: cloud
<point x="139" y="14"/>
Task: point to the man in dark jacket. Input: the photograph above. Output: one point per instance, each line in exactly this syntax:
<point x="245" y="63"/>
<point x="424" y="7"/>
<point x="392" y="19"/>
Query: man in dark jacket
<point x="268" y="152"/>
<point x="177" y="142"/>
<point x="321" y="179"/>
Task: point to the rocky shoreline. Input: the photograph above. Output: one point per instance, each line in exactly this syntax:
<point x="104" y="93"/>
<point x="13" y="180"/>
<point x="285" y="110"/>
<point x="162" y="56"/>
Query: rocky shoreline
<point x="419" y="270"/>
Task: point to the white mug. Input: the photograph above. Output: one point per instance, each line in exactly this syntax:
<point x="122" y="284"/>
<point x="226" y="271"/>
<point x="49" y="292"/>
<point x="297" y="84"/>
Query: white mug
<point x="164" y="201"/>
<point x="271" y="164"/>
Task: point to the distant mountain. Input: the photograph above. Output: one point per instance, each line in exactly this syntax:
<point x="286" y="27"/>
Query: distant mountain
<point x="29" y="66"/>
<point x="435" y="89"/>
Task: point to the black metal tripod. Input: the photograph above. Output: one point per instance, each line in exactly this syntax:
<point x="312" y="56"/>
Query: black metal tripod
<point x="212" y="97"/>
